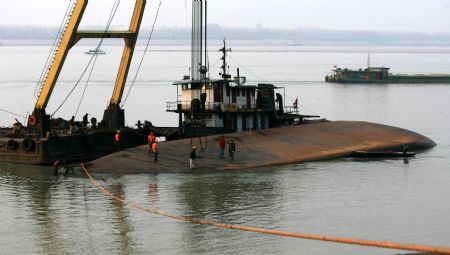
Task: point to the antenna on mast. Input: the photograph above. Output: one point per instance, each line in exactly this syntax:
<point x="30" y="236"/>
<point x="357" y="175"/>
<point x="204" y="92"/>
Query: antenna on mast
<point x="185" y="13"/>
<point x="199" y="41"/>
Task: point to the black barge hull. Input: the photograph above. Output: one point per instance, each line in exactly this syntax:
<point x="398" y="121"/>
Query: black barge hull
<point x="71" y="148"/>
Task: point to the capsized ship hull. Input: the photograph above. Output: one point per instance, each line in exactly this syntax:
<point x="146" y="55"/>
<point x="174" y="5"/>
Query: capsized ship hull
<point x="268" y="147"/>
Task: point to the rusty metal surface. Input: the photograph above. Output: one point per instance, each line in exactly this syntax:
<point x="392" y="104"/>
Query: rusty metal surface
<point x="278" y="146"/>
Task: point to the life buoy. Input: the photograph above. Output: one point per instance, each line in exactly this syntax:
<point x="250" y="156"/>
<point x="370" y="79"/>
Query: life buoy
<point x="12" y="144"/>
<point x="28" y="144"/>
<point x="32" y="120"/>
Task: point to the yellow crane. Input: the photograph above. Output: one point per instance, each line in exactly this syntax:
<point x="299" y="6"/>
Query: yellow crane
<point x="113" y="117"/>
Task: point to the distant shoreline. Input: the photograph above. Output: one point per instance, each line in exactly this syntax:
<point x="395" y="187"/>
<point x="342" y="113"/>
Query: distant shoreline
<point x="423" y="47"/>
<point x="39" y="35"/>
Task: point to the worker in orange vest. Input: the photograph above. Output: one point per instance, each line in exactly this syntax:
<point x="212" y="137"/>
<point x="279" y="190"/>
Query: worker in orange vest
<point x="118" y="140"/>
<point x="151" y="141"/>
<point x="155" y="150"/>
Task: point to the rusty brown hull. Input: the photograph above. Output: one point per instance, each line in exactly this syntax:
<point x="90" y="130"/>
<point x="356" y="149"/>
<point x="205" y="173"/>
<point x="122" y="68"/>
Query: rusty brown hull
<point x="278" y="146"/>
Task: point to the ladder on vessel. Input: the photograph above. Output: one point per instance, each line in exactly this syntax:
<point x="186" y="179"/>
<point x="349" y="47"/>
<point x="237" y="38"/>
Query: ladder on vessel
<point x="56" y="44"/>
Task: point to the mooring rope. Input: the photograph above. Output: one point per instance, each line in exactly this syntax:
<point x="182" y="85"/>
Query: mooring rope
<point x="344" y="240"/>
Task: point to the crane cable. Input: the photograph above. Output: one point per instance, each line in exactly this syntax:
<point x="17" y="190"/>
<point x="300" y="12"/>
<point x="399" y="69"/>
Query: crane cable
<point x="12" y="113"/>
<point x="143" y="55"/>
<point x="359" y="242"/>
<point x="55" y="42"/>
<point x="113" y="12"/>
<point x="303" y="106"/>
<point x="96" y="55"/>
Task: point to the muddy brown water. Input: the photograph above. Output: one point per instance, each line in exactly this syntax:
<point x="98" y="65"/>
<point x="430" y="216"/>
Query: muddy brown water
<point x="370" y="199"/>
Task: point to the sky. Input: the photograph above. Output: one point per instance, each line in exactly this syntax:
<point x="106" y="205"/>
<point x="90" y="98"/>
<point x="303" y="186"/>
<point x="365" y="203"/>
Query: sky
<point x="425" y="16"/>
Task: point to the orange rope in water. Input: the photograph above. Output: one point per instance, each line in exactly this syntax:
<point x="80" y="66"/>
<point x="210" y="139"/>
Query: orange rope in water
<point x="360" y="242"/>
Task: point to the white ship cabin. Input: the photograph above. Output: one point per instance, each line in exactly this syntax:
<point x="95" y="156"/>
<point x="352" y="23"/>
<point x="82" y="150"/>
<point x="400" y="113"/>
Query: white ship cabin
<point x="227" y="105"/>
<point x="207" y="106"/>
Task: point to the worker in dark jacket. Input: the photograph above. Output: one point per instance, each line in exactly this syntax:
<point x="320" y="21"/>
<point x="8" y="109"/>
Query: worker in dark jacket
<point x="232" y="150"/>
<point x="72" y="125"/>
<point x="85" y="120"/>
<point x="192" y="158"/>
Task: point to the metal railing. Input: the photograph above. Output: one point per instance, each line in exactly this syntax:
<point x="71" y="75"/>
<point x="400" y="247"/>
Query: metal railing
<point x="211" y="106"/>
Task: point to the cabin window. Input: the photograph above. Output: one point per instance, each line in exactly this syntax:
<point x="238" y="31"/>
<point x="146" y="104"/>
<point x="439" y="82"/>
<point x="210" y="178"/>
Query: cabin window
<point x="228" y="91"/>
<point x="243" y="92"/>
<point x="253" y="93"/>
<point x="216" y="93"/>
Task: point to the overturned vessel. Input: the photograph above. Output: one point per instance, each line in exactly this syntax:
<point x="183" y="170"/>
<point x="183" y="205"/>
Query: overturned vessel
<point x="265" y="148"/>
<point x="264" y="130"/>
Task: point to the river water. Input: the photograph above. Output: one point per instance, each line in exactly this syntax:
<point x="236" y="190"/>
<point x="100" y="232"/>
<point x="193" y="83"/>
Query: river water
<point x="370" y="199"/>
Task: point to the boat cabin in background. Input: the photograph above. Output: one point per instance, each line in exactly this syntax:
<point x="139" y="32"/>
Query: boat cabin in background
<point x="369" y="74"/>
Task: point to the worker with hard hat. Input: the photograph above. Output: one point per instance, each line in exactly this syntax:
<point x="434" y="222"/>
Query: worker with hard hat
<point x="118" y="140"/>
<point x="155" y="150"/>
<point x="151" y="141"/>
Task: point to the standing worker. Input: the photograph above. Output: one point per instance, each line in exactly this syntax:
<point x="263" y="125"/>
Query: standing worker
<point x="232" y="150"/>
<point x="118" y="141"/>
<point x="72" y="125"/>
<point x="222" y="146"/>
<point x="192" y="158"/>
<point x="155" y="150"/>
<point x="85" y="120"/>
<point x="151" y="141"/>
<point x="93" y="123"/>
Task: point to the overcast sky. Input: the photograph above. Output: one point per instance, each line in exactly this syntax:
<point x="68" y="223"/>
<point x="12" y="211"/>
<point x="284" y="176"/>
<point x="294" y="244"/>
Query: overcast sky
<point x="428" y="16"/>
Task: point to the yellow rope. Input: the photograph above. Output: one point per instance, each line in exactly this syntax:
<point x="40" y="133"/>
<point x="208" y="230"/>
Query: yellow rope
<point x="360" y="242"/>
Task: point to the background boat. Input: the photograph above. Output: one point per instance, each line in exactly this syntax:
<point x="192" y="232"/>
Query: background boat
<point x="96" y="51"/>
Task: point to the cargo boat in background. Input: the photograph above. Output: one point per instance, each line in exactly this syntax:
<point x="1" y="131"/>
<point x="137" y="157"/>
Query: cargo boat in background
<point x="95" y="52"/>
<point x="381" y="75"/>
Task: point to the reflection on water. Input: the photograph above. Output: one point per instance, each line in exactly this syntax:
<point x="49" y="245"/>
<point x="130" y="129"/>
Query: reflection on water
<point x="382" y="199"/>
<point x="123" y="228"/>
<point x="230" y="197"/>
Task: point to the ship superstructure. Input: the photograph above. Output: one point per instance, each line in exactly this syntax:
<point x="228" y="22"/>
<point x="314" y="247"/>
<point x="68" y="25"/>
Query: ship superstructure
<point x="228" y="104"/>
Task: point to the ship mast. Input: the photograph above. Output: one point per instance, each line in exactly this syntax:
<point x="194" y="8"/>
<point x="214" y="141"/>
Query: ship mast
<point x="224" y="51"/>
<point x="199" y="33"/>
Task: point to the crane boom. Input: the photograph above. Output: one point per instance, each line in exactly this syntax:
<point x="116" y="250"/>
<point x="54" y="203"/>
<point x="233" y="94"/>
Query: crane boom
<point x="113" y="116"/>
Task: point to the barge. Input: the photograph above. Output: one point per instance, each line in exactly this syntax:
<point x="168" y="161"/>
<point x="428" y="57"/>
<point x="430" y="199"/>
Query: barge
<point x="382" y="75"/>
